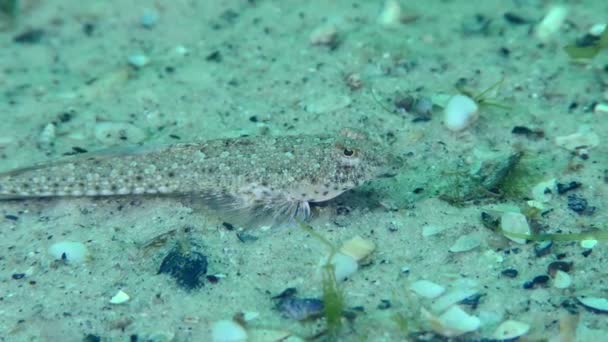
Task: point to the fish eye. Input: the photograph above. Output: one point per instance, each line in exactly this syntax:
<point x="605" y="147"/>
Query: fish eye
<point x="348" y="152"/>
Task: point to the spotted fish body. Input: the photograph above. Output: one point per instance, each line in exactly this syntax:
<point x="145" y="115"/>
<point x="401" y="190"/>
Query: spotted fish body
<point x="262" y="176"/>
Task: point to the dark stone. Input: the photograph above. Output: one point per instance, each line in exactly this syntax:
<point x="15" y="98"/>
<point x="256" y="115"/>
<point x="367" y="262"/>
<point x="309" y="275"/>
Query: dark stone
<point x="17" y="276"/>
<point x="11" y="217"/>
<point x="215" y="56"/>
<point x="32" y="36"/>
<point x="92" y="338"/>
<point x="514" y="19"/>
<point x="510" y="273"/>
<point x="384" y="304"/>
<point x="565" y="187"/>
<point x="577" y="203"/>
<point x="301" y="309"/>
<point x="542" y="248"/>
<point x="538" y="281"/>
<point x="187" y="268"/>
<point x="559" y="266"/>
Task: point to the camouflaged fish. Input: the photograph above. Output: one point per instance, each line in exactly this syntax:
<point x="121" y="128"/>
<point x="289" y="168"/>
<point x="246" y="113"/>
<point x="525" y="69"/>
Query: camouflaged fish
<point x="261" y="176"/>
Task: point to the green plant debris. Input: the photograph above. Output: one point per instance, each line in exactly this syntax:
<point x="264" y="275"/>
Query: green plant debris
<point x="402" y="323"/>
<point x="333" y="298"/>
<point x="587" y="46"/>
<point x="482" y="98"/>
<point x="593" y="235"/>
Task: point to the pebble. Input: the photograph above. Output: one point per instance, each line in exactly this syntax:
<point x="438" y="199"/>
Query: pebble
<point x="577" y="203"/>
<point x="138" y="60"/>
<point x="228" y="331"/>
<point x="536" y="282"/>
<point x="451" y="298"/>
<point x="509" y="273"/>
<point x="565" y="187"/>
<point x="69" y="251"/>
<point x="512" y="222"/>
<point x="596" y="303"/>
<point x="344" y="265"/>
<point x="324" y="35"/>
<point x="588" y="243"/>
<point x="460" y="112"/>
<point x="120" y="297"/>
<point x="429" y="230"/>
<point x="300" y="309"/>
<point x="427" y="289"/>
<point x="453" y="322"/>
<point x="543" y="191"/>
<point x="114" y="133"/>
<point x="186" y="267"/>
<point x="561" y="280"/>
<point x="390" y="14"/>
<point x="466" y="243"/>
<point x="551" y="23"/>
<point x="510" y="329"/>
<point x="149" y="18"/>
<point x="358" y="248"/>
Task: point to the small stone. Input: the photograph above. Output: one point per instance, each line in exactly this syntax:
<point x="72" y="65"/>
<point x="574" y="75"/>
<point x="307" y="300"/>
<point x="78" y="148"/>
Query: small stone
<point x="344" y="265"/>
<point x="511" y="222"/>
<point x="551" y="23"/>
<point x="538" y="281"/>
<point x="69" y="251"/>
<point x="455" y="322"/>
<point x="466" y="243"/>
<point x="358" y="248"/>
<point x="460" y="112"/>
<point x="228" y="331"/>
<point x="588" y="243"/>
<point x="120" y="297"/>
<point x="149" y="18"/>
<point x="561" y="280"/>
<point x="138" y="61"/>
<point x="543" y="191"/>
<point x="324" y="35"/>
<point x="509" y="273"/>
<point x="431" y="229"/>
<point x="565" y="187"/>
<point x="542" y="248"/>
<point x="427" y="289"/>
<point x="577" y="203"/>
<point x="510" y="329"/>
<point x="390" y="14"/>
<point x="559" y="265"/>
<point x="595" y="303"/>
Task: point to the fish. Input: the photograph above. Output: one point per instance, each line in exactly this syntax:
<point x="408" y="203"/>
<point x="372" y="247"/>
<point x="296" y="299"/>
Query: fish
<point x="270" y="178"/>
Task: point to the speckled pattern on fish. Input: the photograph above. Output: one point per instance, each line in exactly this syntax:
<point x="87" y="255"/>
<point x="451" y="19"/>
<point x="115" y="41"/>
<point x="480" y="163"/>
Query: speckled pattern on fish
<point x="263" y="175"/>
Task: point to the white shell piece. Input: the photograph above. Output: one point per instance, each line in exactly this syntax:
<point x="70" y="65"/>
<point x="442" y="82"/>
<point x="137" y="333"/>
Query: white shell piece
<point x="575" y="141"/>
<point x="451" y="298"/>
<point x="466" y="243"/>
<point x="460" y="112"/>
<point x="510" y="329"/>
<point x="588" y="243"/>
<point x="431" y="229"/>
<point x="70" y="251"/>
<point x="427" y="289"/>
<point x="459" y="321"/>
<point x="358" y="248"/>
<point x="228" y="331"/>
<point x="551" y="23"/>
<point x="344" y="266"/>
<point x="544" y="191"/>
<point x="597" y="303"/>
<point x="515" y="223"/>
<point x="120" y="297"/>
<point x="562" y="280"/>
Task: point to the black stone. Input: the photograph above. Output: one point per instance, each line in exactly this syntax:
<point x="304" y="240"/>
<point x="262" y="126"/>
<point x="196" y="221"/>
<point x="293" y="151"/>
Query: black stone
<point x="509" y="273"/>
<point x="565" y="187"/>
<point x="187" y="268"/>
<point x="577" y="203"/>
<point x="29" y="37"/>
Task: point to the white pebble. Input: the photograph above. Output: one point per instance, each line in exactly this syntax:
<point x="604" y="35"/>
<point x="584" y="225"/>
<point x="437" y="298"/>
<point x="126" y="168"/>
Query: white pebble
<point x="69" y="251"/>
<point x="597" y="303"/>
<point x="597" y="29"/>
<point x="120" y="297"/>
<point x="431" y="229"/>
<point x="427" y="289"/>
<point x="588" y="243"/>
<point x="358" y="248"/>
<point x="510" y="329"/>
<point x="515" y="223"/>
<point x="138" y="61"/>
<point x="149" y="18"/>
<point x="390" y="14"/>
<point x="551" y="23"/>
<point x="344" y="266"/>
<point x="543" y="191"/>
<point x="228" y="331"/>
<point x="456" y="322"/>
<point x="460" y="112"/>
<point x="562" y="280"/>
<point x="466" y="243"/>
